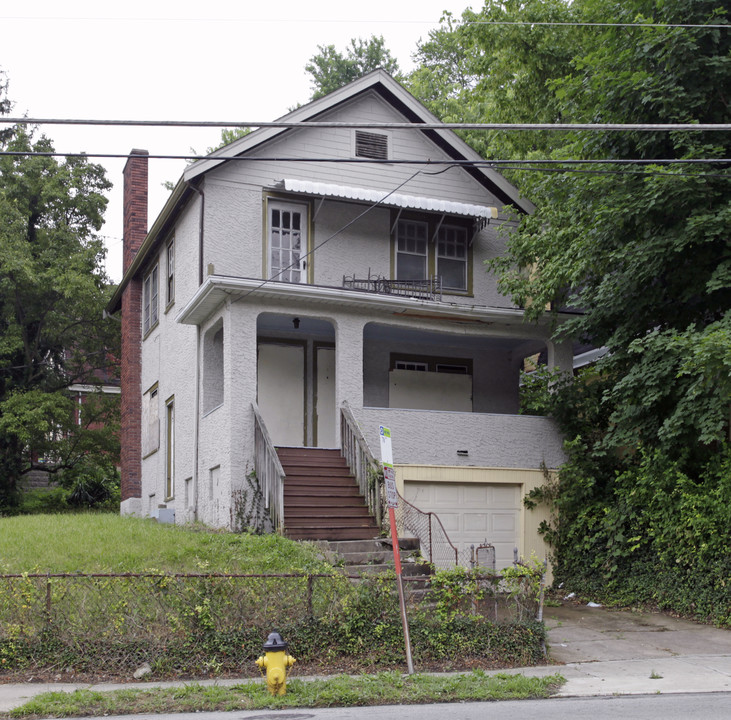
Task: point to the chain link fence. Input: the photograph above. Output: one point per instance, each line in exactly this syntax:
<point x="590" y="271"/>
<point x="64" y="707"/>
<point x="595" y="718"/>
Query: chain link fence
<point x="213" y="624"/>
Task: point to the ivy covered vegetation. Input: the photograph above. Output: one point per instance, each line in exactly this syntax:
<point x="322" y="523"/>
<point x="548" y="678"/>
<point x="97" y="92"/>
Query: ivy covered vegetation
<point x="640" y="526"/>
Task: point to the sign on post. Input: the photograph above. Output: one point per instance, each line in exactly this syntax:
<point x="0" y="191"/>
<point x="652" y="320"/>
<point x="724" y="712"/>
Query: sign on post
<point x="389" y="476"/>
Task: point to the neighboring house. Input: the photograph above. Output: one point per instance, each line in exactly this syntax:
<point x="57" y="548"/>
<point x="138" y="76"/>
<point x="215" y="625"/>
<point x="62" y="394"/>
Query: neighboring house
<point x="319" y="289"/>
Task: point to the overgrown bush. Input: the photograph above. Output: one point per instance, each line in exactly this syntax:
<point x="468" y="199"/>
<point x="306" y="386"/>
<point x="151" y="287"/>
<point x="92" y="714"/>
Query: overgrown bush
<point x="216" y="625"/>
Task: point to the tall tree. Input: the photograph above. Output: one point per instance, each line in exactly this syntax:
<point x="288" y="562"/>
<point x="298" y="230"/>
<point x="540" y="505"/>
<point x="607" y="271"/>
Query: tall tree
<point x="644" y="251"/>
<point x="52" y="334"/>
<point x="330" y="69"/>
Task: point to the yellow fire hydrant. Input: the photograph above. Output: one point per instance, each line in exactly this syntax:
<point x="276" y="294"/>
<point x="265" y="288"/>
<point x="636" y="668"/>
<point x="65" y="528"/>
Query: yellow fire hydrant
<point x="276" y="661"/>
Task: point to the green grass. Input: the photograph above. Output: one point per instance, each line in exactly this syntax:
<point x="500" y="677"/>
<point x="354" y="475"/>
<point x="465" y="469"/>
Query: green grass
<point x="341" y="691"/>
<point x="97" y="542"/>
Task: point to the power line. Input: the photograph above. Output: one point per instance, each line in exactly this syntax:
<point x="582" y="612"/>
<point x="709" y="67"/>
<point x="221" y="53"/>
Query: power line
<point x="641" y="127"/>
<point x="332" y="20"/>
<point x="515" y="165"/>
<point x="374" y="161"/>
<point x="686" y="26"/>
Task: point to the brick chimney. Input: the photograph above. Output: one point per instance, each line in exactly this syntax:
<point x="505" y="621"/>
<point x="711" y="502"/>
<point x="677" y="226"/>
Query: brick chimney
<point x="134" y="233"/>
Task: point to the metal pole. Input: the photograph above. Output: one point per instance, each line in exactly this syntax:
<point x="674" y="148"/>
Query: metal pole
<point x="400" y="585"/>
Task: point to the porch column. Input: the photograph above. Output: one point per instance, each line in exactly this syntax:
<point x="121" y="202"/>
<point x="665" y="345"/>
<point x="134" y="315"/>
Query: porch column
<point x="561" y="355"/>
<point x="348" y="364"/>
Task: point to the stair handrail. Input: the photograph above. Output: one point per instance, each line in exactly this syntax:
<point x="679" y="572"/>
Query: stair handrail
<point x="428" y="528"/>
<point x="362" y="463"/>
<point x="269" y="471"/>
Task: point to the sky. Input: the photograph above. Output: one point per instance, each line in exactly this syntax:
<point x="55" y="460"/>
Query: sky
<point x="212" y="60"/>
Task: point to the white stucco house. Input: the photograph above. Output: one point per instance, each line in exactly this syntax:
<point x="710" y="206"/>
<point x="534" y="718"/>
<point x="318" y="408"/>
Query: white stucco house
<point x="305" y="285"/>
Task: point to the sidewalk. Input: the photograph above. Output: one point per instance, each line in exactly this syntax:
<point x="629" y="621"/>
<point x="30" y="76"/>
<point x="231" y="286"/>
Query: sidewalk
<point x="605" y="653"/>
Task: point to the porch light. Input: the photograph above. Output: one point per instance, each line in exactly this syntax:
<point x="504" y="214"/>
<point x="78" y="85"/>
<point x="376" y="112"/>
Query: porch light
<point x="296" y="323"/>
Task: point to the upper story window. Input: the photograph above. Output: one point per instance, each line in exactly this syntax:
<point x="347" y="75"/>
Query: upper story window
<point x="411" y="250"/>
<point x="287" y="234"/>
<point x="452" y="257"/>
<point x="371" y="145"/>
<point x="149" y="300"/>
<point x="170" y="284"/>
<point x="431" y="248"/>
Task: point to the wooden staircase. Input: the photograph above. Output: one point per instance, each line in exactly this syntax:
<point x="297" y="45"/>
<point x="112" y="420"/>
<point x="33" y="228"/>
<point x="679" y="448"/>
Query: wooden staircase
<point x="321" y="497"/>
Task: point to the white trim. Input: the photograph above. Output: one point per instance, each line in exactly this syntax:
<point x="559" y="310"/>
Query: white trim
<point x="109" y="389"/>
<point x="589" y="357"/>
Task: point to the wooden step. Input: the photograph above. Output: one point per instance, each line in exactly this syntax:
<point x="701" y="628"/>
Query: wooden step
<point x="333" y="513"/>
<point x="322" y="500"/>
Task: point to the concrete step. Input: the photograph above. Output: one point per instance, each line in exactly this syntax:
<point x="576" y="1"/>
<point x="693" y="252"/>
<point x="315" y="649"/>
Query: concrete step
<point x="379" y="544"/>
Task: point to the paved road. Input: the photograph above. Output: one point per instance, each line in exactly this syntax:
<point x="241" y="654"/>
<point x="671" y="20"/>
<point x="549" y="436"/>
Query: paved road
<point x="702" y="706"/>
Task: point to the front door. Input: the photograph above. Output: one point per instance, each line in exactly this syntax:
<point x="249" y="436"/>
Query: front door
<point x="296" y="392"/>
<point x="281" y="392"/>
<point x="325" y="415"/>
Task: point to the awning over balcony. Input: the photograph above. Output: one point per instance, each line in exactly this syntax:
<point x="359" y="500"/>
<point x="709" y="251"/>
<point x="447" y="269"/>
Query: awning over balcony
<point x="397" y="200"/>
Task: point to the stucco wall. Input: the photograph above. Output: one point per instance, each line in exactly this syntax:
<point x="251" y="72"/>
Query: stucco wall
<point x="433" y="438"/>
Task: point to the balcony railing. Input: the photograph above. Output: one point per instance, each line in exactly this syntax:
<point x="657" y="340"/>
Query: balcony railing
<point x="428" y="289"/>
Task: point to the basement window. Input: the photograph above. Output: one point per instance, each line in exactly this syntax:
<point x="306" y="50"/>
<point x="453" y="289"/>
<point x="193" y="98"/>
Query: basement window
<point x="371" y="145"/>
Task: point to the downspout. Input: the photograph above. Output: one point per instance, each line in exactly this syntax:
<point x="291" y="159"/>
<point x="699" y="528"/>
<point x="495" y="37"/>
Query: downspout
<point x="196" y="422"/>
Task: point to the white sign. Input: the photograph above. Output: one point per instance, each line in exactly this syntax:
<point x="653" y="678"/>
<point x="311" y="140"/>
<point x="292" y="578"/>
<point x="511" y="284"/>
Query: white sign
<point x="389" y="474"/>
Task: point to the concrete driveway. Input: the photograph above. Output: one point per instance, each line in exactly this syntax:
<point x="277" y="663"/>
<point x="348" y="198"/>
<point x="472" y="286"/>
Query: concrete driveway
<point x="578" y="633"/>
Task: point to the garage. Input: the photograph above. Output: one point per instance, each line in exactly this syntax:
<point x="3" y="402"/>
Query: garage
<point x="473" y="513"/>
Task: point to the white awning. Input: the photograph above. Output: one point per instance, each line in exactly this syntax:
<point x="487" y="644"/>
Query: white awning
<point x="389" y="200"/>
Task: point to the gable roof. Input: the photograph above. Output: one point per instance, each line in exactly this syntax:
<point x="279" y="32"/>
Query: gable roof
<point x="378" y="81"/>
<point x="403" y="101"/>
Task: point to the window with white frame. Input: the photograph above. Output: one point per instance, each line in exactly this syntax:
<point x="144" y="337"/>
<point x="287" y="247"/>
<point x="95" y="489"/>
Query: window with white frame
<point x="287" y="234"/>
<point x="170" y="289"/>
<point x="452" y="257"/>
<point x="149" y="300"/>
<point x="412" y="242"/>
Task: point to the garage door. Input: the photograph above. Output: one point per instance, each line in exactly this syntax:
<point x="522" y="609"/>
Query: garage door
<point x="473" y="513"/>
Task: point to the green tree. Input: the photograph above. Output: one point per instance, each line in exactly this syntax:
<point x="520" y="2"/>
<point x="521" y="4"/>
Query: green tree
<point x="330" y="69"/>
<point x="643" y="251"/>
<point x="642" y="255"/>
<point x="52" y="333"/>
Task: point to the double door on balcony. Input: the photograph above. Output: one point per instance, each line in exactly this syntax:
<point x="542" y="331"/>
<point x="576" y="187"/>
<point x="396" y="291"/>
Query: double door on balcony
<point x="296" y="392"/>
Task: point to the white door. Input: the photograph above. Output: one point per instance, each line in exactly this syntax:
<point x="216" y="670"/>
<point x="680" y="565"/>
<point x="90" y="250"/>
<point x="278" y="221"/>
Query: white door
<point x="473" y="513"/>
<point x="281" y="392"/>
<point x="287" y="241"/>
<point x="325" y="416"/>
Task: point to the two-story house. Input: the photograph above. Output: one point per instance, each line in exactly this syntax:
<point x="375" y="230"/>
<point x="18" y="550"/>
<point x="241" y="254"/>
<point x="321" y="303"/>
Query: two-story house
<point x="307" y="284"/>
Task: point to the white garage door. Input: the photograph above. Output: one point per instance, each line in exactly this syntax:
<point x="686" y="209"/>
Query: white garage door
<point x="473" y="513"/>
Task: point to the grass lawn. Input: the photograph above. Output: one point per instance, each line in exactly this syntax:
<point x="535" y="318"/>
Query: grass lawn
<point x="385" y="688"/>
<point x="107" y="542"/>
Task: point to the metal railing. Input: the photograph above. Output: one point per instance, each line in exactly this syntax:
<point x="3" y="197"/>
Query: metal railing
<point x="269" y="471"/>
<point x="361" y="462"/>
<point x="426" y="289"/>
<point x="436" y="547"/>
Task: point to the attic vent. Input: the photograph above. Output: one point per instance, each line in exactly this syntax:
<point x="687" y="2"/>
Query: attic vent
<point x="371" y="145"/>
